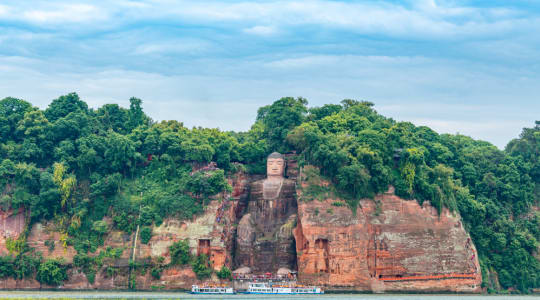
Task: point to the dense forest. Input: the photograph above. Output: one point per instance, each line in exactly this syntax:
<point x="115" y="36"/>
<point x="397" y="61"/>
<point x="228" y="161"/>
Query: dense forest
<point x="73" y="165"/>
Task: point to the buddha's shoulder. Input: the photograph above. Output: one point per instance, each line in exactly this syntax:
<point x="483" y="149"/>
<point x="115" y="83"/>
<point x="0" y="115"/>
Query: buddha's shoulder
<point x="260" y="183"/>
<point x="289" y="182"/>
<point x="257" y="182"/>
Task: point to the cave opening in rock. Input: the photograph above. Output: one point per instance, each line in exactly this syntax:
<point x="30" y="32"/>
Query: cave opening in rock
<point x="203" y="247"/>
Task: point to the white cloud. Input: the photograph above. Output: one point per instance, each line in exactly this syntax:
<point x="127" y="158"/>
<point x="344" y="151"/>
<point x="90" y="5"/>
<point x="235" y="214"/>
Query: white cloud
<point x="3" y="10"/>
<point x="304" y="62"/>
<point x="261" y="30"/>
<point x="172" y="46"/>
<point x="426" y="19"/>
<point x="65" y="13"/>
<point x="502" y="130"/>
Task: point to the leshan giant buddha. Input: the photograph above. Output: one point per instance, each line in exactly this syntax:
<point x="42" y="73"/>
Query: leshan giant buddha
<point x="265" y="242"/>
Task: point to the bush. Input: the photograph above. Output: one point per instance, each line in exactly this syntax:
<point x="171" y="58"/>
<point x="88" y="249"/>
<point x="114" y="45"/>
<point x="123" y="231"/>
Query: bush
<point x="224" y="273"/>
<point x="50" y="245"/>
<point x="26" y="265"/>
<point x="15" y="246"/>
<point x="124" y="222"/>
<point x="101" y="227"/>
<point x="201" y="266"/>
<point x="156" y="272"/>
<point x="6" y="267"/>
<point x="51" y="272"/>
<point x="87" y="265"/>
<point x="180" y="254"/>
<point x="146" y="234"/>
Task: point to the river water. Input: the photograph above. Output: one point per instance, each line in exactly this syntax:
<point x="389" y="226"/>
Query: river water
<point x="185" y="296"/>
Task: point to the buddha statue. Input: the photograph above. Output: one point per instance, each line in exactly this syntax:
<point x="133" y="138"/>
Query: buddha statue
<point x="264" y="235"/>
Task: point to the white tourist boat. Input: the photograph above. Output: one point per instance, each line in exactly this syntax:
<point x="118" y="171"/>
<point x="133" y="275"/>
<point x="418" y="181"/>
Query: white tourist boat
<point x="195" y="289"/>
<point x="265" y="288"/>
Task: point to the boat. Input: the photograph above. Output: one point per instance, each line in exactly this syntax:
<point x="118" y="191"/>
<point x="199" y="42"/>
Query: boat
<point x="266" y="288"/>
<point x="195" y="289"/>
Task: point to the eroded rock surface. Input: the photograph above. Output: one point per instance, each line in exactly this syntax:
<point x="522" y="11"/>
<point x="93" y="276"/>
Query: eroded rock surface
<point x="11" y="226"/>
<point x="390" y="244"/>
<point x="397" y="246"/>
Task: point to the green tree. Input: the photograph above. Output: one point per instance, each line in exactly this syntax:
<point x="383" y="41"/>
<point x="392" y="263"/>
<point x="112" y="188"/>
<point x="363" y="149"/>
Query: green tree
<point x="113" y="117"/>
<point x="64" y="105"/>
<point x="136" y="115"/>
<point x="280" y="118"/>
<point x="12" y="111"/>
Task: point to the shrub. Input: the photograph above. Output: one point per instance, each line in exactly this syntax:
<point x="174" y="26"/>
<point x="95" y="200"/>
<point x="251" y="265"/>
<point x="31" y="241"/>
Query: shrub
<point x="6" y="267"/>
<point x="201" y="266"/>
<point x="51" y="272"/>
<point x="156" y="272"/>
<point x="124" y="222"/>
<point x="224" y="273"/>
<point x="26" y="265"/>
<point x="101" y="227"/>
<point x="15" y="246"/>
<point x="111" y="271"/>
<point x="146" y="234"/>
<point x="87" y="265"/>
<point x="50" y="245"/>
<point x="180" y="254"/>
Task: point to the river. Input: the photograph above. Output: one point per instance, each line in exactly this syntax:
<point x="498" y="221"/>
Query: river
<point x="186" y="296"/>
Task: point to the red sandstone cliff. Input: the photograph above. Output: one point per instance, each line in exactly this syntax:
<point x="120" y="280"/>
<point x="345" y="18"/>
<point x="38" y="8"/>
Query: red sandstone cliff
<point x="396" y="245"/>
<point x="12" y="224"/>
<point x="212" y="233"/>
<point x="401" y="246"/>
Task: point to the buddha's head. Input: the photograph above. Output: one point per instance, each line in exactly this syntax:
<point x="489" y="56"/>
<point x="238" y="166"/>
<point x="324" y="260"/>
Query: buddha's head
<point x="275" y="164"/>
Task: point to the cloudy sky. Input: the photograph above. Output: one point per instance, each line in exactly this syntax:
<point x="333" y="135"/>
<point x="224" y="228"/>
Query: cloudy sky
<point x="471" y="67"/>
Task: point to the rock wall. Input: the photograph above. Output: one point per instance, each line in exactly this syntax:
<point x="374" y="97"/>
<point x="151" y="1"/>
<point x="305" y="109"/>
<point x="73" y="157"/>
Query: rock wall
<point x="12" y="224"/>
<point x="212" y="233"/>
<point x="390" y="244"/>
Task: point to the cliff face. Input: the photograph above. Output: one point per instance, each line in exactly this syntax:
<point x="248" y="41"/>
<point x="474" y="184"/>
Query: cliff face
<point x="390" y="245"/>
<point x="212" y="233"/>
<point x="12" y="224"/>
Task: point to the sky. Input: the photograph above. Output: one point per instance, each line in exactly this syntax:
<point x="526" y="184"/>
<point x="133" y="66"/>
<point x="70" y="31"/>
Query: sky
<point x="468" y="67"/>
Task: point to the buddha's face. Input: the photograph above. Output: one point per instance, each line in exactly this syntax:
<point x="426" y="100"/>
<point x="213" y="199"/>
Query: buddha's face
<point x="275" y="166"/>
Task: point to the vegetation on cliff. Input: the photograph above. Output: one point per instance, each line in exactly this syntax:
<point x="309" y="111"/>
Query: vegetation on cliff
<point x="74" y="165"/>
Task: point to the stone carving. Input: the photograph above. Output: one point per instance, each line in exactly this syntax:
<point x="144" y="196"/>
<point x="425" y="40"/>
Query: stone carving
<point x="265" y="241"/>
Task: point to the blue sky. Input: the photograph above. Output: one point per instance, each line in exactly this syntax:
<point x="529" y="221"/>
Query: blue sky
<point x="471" y="67"/>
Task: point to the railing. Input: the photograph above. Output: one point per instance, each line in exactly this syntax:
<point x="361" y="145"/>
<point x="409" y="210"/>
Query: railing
<point x="264" y="277"/>
<point x="430" y="277"/>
